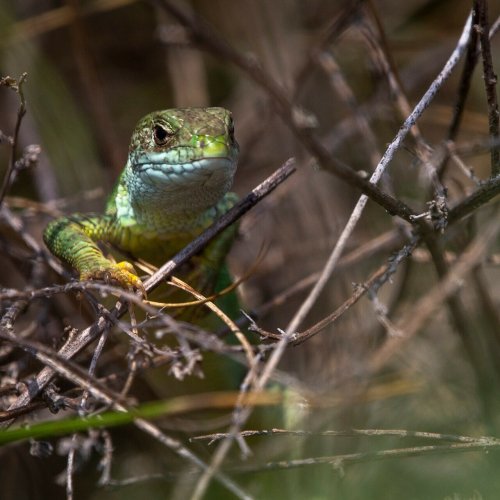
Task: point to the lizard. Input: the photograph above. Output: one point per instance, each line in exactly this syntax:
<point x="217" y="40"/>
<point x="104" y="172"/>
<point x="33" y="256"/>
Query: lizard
<point x="176" y="182"/>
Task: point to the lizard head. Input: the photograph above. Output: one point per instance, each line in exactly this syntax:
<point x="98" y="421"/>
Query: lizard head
<point x="182" y="159"/>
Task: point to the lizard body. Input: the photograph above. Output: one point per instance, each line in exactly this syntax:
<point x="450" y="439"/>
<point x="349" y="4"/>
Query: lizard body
<point x="180" y="168"/>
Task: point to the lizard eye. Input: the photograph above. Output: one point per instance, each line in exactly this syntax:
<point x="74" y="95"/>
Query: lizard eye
<point x="161" y="135"/>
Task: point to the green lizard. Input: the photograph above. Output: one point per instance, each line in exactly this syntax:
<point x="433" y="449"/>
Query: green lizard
<point x="180" y="167"/>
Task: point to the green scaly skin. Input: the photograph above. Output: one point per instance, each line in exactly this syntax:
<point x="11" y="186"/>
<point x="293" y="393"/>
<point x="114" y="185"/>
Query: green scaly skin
<point x="175" y="184"/>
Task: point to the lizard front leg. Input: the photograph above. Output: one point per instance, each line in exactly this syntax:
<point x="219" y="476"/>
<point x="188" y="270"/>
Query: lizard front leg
<point x="74" y="240"/>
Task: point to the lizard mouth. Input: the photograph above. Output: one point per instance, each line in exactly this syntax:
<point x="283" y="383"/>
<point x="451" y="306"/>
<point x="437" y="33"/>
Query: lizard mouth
<point x="207" y="171"/>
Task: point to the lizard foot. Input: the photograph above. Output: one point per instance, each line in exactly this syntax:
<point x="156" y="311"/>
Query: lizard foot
<point x="122" y="273"/>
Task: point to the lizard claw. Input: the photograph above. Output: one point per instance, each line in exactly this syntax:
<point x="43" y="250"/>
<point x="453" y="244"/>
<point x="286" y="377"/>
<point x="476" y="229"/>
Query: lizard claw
<point x="122" y="273"/>
<point x="130" y="278"/>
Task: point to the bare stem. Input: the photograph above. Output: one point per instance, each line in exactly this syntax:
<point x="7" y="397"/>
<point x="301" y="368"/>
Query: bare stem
<point x="18" y="87"/>
<point x="490" y="81"/>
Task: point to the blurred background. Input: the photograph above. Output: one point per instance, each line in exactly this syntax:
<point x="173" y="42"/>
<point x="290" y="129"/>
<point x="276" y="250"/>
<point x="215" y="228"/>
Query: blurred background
<point x="96" y="67"/>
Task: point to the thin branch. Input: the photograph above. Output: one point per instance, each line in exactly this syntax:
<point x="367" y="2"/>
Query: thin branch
<point x="339" y="82"/>
<point x="389" y="241"/>
<point x="339" y="461"/>
<point x="222" y="316"/>
<point x="56" y="18"/>
<point x="415" y="318"/>
<point x="372" y="285"/>
<point x="330" y="266"/>
<point x="477" y="199"/>
<point x="465" y="80"/>
<point x="18" y="87"/>
<point x="377" y="44"/>
<point x="241" y="416"/>
<point x="401" y="433"/>
<point x="70" y="467"/>
<point x="490" y="81"/>
<point x="335" y="28"/>
<point x="185" y="453"/>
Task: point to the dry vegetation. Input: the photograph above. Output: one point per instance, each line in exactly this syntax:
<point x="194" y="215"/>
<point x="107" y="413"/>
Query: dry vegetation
<point x="370" y="273"/>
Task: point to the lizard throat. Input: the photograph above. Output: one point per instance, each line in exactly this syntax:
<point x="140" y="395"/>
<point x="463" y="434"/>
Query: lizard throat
<point x="185" y="189"/>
